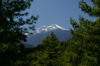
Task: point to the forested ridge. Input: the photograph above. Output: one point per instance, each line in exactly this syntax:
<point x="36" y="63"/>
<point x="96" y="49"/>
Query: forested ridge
<point x="82" y="49"/>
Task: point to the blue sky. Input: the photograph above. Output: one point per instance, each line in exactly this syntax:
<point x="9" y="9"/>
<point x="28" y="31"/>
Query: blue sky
<point x="56" y="12"/>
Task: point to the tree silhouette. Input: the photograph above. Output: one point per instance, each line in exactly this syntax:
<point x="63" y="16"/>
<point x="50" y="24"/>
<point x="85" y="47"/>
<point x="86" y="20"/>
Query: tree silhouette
<point x="12" y="18"/>
<point x="83" y="48"/>
<point x="11" y="33"/>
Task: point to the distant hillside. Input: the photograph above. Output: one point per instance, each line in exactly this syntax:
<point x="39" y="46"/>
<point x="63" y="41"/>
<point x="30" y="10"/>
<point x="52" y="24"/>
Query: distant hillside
<point x="44" y="31"/>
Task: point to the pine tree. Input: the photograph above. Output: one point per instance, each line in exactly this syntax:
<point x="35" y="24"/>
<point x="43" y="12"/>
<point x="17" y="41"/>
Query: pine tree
<point x="11" y="32"/>
<point x="12" y="18"/>
<point x="83" y="48"/>
<point x="50" y="50"/>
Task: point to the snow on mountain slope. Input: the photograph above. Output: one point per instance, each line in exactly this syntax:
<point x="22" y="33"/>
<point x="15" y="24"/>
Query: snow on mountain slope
<point x="53" y="27"/>
<point x="44" y="31"/>
<point x="48" y="28"/>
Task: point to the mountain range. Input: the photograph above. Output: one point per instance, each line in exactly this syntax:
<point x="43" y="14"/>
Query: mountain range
<point x="42" y="32"/>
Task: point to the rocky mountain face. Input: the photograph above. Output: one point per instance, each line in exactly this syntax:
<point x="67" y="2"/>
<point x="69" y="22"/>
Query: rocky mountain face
<point x="42" y="32"/>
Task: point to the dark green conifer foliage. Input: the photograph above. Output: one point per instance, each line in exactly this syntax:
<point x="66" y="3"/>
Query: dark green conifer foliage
<point x="47" y="53"/>
<point x="12" y="18"/>
<point x="51" y="49"/>
<point x="86" y="34"/>
<point x="11" y="34"/>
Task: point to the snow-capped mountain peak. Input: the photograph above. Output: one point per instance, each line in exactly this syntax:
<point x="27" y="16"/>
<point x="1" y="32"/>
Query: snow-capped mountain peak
<point x="43" y="28"/>
<point x="48" y="28"/>
<point x="55" y="26"/>
<point x="44" y="31"/>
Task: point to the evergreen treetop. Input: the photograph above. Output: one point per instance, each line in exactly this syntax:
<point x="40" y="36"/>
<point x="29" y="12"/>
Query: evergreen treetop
<point x="86" y="35"/>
